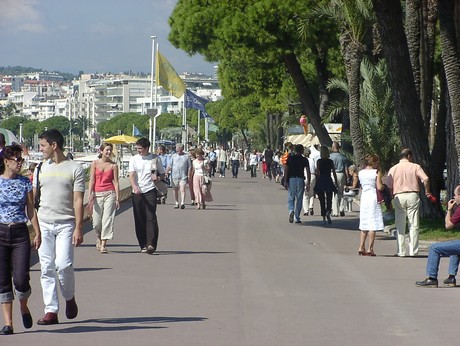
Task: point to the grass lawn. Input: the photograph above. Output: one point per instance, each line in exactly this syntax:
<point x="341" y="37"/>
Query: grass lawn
<point x="434" y="230"/>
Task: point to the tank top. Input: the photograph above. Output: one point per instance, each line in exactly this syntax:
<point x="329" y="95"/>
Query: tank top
<point x="104" y="180"/>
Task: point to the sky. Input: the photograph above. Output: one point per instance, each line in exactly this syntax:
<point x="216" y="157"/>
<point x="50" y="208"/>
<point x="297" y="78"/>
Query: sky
<point x="90" y="36"/>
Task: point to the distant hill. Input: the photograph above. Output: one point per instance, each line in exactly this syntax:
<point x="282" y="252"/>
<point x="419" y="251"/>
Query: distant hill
<point x="17" y="70"/>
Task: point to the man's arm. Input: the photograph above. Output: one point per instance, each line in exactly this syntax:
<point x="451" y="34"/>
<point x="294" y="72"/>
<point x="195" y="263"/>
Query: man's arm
<point x="132" y="181"/>
<point x="451" y="218"/>
<point x="78" y="208"/>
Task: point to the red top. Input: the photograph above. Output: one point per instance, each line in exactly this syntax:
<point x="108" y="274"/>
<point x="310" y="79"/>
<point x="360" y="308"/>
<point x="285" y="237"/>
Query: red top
<point x="104" y="180"/>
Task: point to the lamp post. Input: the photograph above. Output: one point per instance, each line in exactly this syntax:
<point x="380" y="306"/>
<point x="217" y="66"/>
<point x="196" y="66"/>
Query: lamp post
<point x="151" y="134"/>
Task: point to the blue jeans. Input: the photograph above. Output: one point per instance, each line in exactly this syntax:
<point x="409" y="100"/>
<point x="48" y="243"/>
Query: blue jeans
<point x="295" y="195"/>
<point x="222" y="168"/>
<point x="448" y="248"/>
<point x="235" y="167"/>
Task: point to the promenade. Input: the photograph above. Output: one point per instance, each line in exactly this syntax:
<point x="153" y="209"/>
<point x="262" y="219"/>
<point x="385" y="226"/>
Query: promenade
<point x="238" y="273"/>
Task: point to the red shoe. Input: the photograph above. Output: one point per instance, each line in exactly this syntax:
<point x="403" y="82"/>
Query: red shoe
<point x="49" y="318"/>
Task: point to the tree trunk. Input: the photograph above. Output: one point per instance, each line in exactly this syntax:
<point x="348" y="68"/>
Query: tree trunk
<point x="407" y="104"/>
<point x="352" y="54"/>
<point x="438" y="154"/>
<point x="413" y="133"/>
<point x="451" y="62"/>
<point x="307" y="98"/>
<point x="413" y="33"/>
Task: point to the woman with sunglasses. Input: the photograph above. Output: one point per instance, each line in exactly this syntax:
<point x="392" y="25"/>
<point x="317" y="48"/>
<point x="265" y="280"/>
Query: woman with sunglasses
<point x="16" y="208"/>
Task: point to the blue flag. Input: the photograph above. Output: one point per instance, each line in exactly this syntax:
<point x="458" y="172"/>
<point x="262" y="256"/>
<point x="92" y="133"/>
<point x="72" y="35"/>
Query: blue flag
<point x="194" y="101"/>
<point x="136" y="131"/>
<point x="203" y="115"/>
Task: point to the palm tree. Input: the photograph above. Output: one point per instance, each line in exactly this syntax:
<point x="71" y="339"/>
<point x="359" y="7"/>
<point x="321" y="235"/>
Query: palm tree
<point x="378" y="120"/>
<point x="451" y="62"/>
<point x="355" y="23"/>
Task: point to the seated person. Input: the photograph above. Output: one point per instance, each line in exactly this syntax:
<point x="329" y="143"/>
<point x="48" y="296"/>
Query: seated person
<point x="352" y="185"/>
<point x="448" y="248"/>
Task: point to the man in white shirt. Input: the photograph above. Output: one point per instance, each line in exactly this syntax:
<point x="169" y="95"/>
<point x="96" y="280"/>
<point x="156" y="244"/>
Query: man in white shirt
<point x="61" y="186"/>
<point x="144" y="169"/>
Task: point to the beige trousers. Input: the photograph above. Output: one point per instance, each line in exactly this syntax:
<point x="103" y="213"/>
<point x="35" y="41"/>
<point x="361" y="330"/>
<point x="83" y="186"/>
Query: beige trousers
<point x="407" y="210"/>
<point x="104" y="214"/>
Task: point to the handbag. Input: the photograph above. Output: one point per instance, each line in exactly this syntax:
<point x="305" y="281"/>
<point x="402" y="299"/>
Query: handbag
<point x="206" y="180"/>
<point x="38" y="191"/>
<point x="162" y="187"/>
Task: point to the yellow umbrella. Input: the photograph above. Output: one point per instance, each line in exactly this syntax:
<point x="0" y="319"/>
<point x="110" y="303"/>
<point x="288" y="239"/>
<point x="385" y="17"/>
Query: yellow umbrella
<point x="121" y="139"/>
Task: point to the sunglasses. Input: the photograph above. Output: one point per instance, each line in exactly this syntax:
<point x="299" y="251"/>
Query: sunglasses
<point x="17" y="159"/>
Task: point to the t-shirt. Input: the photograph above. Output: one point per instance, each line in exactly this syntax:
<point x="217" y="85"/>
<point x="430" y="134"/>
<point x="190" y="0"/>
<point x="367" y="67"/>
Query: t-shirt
<point x="340" y="162"/>
<point x="58" y="182"/>
<point x="296" y="165"/>
<point x="13" y="199"/>
<point x="212" y="156"/>
<point x="180" y="165"/>
<point x="268" y="155"/>
<point x="142" y="167"/>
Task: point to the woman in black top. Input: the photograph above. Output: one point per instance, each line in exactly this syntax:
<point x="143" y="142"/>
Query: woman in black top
<point x="325" y="187"/>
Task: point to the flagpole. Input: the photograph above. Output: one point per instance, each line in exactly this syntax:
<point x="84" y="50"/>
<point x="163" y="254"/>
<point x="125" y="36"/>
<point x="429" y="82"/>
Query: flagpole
<point x="156" y="113"/>
<point x="184" y="123"/>
<point x="199" y="116"/>
<point x="151" y="86"/>
<point x="133" y="130"/>
<point x="206" y="130"/>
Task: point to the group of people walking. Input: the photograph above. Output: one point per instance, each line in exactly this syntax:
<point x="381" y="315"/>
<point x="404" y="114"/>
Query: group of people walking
<point x="52" y="200"/>
<point x="56" y="216"/>
<point x="326" y="178"/>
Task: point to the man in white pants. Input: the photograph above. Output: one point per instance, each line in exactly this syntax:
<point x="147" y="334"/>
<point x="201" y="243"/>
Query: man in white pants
<point x="309" y="195"/>
<point x="60" y="184"/>
<point x="341" y="169"/>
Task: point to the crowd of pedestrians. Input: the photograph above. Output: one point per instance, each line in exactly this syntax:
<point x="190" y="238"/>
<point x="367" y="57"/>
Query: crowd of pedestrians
<point x="58" y="184"/>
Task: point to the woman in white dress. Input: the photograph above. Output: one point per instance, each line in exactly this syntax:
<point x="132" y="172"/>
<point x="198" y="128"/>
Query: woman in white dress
<point x="370" y="214"/>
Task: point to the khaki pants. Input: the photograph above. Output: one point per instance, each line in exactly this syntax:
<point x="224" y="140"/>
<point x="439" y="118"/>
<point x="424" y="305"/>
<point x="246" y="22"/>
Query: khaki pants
<point x="104" y="214"/>
<point x="407" y="209"/>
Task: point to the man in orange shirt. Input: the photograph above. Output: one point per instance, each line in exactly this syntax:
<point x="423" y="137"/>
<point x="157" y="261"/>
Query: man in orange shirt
<point x="403" y="182"/>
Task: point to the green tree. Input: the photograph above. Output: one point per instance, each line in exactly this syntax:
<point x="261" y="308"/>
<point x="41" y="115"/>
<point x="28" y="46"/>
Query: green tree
<point x="378" y="119"/>
<point x="354" y="20"/>
<point x="13" y="124"/>
<point x="413" y="132"/>
<point x="124" y="123"/>
<point x="247" y="33"/>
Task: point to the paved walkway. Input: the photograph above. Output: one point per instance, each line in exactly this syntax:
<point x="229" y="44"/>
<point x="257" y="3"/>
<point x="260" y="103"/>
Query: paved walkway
<point x="238" y="273"/>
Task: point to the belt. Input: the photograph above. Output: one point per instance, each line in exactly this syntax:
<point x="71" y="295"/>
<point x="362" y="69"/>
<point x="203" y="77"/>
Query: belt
<point x="12" y="224"/>
<point x="339" y="171"/>
<point x="406" y="192"/>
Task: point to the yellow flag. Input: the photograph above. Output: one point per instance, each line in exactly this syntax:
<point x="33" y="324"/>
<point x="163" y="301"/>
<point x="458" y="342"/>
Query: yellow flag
<point x="167" y="77"/>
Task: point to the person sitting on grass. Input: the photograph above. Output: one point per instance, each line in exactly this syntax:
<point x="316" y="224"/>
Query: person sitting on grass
<point x="448" y="248"/>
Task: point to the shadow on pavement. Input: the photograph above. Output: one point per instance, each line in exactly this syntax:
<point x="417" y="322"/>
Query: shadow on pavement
<point x="121" y="324"/>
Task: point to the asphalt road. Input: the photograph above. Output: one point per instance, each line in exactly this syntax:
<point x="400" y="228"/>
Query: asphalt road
<point x="238" y="273"/>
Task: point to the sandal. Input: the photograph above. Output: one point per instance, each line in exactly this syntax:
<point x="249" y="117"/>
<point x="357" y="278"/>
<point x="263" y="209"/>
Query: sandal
<point x="371" y="253"/>
<point x="103" y="250"/>
<point x="362" y="253"/>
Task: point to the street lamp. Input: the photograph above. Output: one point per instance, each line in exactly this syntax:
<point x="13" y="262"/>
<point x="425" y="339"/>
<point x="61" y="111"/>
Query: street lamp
<point x="151" y="134"/>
